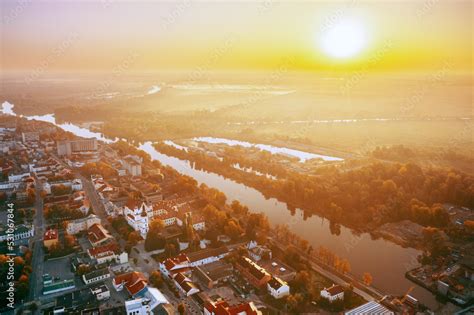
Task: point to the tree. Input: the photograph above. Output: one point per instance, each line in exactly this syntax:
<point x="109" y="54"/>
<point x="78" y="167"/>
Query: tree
<point x="133" y="238"/>
<point x="294" y="301"/>
<point x="170" y="250"/>
<point x="156" y="279"/>
<point x="233" y="230"/>
<point x="181" y="309"/>
<point x="367" y="278"/>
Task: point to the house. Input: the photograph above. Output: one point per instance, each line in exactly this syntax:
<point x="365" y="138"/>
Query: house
<point x="21" y="232"/>
<point x="278" y="288"/>
<point x="154" y="296"/>
<point x="258" y="253"/>
<point x="97" y="235"/>
<point x="101" y="292"/>
<point x="221" y="307"/>
<point x="370" y="308"/>
<point x="256" y="275"/>
<point x="96" y="275"/>
<point x="171" y="266"/>
<point x="185" y="285"/>
<point x="82" y="224"/>
<point x="134" y="282"/>
<point x="333" y="293"/>
<point x="50" y="238"/>
<point x="132" y="164"/>
<point x="207" y="256"/>
<point x="106" y="253"/>
<point x="213" y="273"/>
<point x="137" y="307"/>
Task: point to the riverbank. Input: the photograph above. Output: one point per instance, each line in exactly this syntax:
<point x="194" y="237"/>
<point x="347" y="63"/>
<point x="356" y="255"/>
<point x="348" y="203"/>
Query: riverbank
<point x="387" y="265"/>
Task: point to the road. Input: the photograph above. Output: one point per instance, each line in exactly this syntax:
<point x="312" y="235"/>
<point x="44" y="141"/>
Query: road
<point x="36" y="279"/>
<point x="374" y="296"/>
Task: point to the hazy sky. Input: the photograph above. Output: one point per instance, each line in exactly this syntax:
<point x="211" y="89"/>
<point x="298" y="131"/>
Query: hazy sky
<point x="146" y="35"/>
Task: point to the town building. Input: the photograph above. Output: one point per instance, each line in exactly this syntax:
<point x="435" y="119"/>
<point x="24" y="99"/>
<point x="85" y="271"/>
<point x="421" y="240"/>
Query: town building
<point x="69" y="147"/>
<point x="171" y="266"/>
<point x="255" y="275"/>
<point x="370" y="308"/>
<point x="155" y="298"/>
<point x="185" y="285"/>
<point x="107" y="253"/>
<point x="278" y="288"/>
<point x="132" y="164"/>
<point x="58" y="286"/>
<point x="207" y="256"/>
<point x="82" y="224"/>
<point x="101" y="292"/>
<point x="333" y="293"/>
<point x="134" y="282"/>
<point x="221" y="307"/>
<point x="50" y="238"/>
<point x="98" y="235"/>
<point x="96" y="275"/>
<point x="22" y="232"/>
<point x="138" y="307"/>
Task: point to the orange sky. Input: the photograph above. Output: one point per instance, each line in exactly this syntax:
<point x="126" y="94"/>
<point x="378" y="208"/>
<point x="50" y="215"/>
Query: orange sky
<point x="146" y="35"/>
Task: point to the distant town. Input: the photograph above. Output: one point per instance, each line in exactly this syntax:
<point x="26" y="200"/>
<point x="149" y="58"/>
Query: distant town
<point x="100" y="228"/>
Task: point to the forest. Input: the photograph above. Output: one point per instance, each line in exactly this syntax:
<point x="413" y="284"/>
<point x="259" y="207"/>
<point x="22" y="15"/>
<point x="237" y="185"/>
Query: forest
<point x="363" y="198"/>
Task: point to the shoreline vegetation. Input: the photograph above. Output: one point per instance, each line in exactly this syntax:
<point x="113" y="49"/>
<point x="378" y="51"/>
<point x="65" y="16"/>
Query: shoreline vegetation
<point x="375" y="194"/>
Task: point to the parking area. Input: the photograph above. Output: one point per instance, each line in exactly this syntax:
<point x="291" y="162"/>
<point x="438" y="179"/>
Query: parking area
<point x="59" y="268"/>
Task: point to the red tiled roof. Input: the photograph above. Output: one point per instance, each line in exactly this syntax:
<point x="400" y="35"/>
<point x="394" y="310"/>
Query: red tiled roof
<point x="172" y="262"/>
<point x="132" y="204"/>
<point x="50" y="234"/>
<point x="97" y="251"/>
<point x="335" y="289"/>
<point x="222" y="308"/>
<point x="97" y="233"/>
<point x="134" y="281"/>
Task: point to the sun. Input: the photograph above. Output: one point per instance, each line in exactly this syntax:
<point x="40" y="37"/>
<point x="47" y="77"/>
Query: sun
<point x="343" y="39"/>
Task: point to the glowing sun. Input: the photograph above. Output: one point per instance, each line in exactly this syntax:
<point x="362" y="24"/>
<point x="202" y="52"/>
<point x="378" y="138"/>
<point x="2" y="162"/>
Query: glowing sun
<point x="343" y="39"/>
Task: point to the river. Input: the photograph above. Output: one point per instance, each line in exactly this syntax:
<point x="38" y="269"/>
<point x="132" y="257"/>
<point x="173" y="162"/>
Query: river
<point x="386" y="261"/>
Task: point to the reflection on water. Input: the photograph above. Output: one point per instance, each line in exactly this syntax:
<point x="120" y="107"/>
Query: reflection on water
<point x="386" y="261"/>
<point x="303" y="156"/>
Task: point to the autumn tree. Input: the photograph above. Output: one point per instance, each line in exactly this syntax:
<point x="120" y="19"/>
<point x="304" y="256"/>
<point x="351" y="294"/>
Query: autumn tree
<point x="367" y="278"/>
<point x="156" y="279"/>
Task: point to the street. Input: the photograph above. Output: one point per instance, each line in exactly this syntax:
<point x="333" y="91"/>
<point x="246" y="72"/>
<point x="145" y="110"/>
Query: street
<point x="38" y="252"/>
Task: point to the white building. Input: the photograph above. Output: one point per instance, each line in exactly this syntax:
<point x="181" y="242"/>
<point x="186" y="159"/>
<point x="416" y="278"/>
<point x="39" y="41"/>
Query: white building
<point x="207" y="256"/>
<point x="333" y="293"/>
<point x="101" y="292"/>
<point x="138" y="216"/>
<point x="21" y="232"/>
<point x="278" y="288"/>
<point x="138" y="307"/>
<point x="370" y="308"/>
<point x="132" y="164"/>
<point x="96" y="275"/>
<point x="185" y="285"/>
<point x="82" y="224"/>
